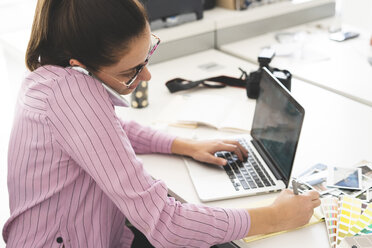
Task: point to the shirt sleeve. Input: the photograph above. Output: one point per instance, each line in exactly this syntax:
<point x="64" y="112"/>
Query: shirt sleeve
<point x="84" y="124"/>
<point x="145" y="139"/>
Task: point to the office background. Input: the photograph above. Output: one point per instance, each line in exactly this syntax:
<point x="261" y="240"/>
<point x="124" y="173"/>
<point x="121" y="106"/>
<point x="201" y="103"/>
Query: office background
<point x="17" y="15"/>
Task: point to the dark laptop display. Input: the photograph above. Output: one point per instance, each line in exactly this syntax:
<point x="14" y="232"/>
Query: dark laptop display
<point x="277" y="125"/>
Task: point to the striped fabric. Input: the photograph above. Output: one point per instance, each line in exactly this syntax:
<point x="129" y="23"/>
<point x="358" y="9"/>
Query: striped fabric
<point x="74" y="178"/>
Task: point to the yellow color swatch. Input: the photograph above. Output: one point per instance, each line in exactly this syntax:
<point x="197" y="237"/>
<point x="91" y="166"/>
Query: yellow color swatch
<point x="349" y="213"/>
<point x="364" y="221"/>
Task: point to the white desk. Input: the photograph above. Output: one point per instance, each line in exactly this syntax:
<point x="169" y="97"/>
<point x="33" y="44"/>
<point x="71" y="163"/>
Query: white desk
<point x="341" y="67"/>
<point x="336" y="131"/>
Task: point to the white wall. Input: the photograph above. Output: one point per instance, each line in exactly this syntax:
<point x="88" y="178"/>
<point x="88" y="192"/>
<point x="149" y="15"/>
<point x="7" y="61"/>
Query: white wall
<point x="357" y="13"/>
<point x="16" y="14"/>
<point x="6" y="102"/>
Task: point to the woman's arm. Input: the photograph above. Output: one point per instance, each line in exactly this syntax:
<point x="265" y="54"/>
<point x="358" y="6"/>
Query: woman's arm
<point x="287" y="212"/>
<point x="145" y="139"/>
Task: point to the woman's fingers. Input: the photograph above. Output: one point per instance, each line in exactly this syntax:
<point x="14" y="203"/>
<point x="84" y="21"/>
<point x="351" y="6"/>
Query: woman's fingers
<point x="314" y="196"/>
<point x="231" y="148"/>
<point x="316" y="202"/>
<point x="204" y="151"/>
<point x="236" y="148"/>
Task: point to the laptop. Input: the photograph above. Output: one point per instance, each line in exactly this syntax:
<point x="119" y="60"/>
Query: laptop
<point x="272" y="145"/>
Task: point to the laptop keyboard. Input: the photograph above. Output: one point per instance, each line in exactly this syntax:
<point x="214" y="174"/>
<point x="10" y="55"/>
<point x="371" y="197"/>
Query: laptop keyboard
<point x="249" y="174"/>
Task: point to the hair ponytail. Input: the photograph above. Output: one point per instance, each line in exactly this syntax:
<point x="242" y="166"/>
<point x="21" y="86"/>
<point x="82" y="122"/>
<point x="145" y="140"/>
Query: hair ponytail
<point x="39" y="34"/>
<point x="91" y="31"/>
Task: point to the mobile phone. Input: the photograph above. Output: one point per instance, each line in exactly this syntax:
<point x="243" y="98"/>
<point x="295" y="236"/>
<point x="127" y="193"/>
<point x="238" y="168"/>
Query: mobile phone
<point x="343" y="35"/>
<point x="118" y="99"/>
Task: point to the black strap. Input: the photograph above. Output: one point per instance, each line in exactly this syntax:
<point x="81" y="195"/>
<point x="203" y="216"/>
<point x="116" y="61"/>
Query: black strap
<point x="178" y="84"/>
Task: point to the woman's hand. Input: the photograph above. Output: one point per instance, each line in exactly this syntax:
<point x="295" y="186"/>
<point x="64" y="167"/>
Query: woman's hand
<point x="288" y="211"/>
<point x="204" y="151"/>
<point x="295" y="210"/>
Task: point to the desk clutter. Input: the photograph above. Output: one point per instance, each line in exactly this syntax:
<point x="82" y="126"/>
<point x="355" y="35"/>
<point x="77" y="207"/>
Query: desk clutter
<point x="346" y="203"/>
<point x="350" y="217"/>
<point x="244" y="4"/>
<point x="346" y="213"/>
<point x="250" y="82"/>
<point x="330" y="181"/>
<point x="169" y="13"/>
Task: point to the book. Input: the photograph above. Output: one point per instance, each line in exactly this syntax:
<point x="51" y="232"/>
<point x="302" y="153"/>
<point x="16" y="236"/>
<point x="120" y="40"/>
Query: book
<point x="222" y="113"/>
<point x="231" y="4"/>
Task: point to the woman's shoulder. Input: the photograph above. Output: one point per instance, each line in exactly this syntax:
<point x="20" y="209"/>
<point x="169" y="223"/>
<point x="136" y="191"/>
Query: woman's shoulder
<point x="48" y="72"/>
<point x="69" y="85"/>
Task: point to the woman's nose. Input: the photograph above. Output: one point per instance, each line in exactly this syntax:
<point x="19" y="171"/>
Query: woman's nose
<point x="145" y="74"/>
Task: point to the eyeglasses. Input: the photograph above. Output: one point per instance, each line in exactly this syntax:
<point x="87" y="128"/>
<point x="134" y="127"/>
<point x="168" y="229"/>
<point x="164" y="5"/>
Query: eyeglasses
<point x="155" y="41"/>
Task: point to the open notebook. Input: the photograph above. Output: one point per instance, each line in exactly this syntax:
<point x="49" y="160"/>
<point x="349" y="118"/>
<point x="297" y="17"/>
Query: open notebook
<point x="218" y="112"/>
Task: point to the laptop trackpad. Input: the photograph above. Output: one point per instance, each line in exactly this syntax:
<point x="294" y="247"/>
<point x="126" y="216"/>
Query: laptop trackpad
<point x="208" y="179"/>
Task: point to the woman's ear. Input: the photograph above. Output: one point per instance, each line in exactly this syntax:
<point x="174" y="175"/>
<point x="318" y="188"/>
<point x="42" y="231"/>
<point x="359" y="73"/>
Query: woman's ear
<point x="75" y="62"/>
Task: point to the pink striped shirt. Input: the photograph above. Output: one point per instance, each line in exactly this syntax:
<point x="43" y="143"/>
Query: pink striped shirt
<point x="74" y="177"/>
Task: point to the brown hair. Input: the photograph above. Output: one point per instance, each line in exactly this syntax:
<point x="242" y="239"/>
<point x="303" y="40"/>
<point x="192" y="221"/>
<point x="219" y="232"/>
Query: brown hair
<point x="91" y="31"/>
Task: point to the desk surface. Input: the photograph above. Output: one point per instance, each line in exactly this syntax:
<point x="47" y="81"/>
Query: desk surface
<point x="341" y="67"/>
<point x="336" y="131"/>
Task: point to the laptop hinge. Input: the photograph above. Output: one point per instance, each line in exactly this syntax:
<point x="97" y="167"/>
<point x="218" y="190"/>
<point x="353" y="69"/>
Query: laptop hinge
<point x="277" y="173"/>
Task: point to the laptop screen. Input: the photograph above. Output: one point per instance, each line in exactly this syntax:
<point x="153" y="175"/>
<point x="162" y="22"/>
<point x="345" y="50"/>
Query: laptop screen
<point x="277" y="123"/>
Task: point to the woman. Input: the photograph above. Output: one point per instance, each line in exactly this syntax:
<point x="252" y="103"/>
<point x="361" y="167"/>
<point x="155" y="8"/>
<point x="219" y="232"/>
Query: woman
<point x="73" y="175"/>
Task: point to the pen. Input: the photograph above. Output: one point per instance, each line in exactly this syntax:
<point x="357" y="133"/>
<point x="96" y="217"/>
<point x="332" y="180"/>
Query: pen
<point x="295" y="186"/>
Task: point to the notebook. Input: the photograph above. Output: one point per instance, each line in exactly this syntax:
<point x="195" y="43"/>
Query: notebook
<point x="272" y="145"/>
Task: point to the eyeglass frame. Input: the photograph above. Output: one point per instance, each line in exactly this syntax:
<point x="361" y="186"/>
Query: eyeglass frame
<point x="138" y="68"/>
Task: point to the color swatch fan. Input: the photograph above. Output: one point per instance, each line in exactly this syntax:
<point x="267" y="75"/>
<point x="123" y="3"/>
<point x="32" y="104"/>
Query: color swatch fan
<point x="363" y="223"/>
<point x="330" y="211"/>
<point x="346" y="217"/>
<point x="348" y="214"/>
